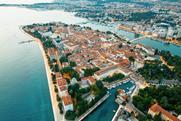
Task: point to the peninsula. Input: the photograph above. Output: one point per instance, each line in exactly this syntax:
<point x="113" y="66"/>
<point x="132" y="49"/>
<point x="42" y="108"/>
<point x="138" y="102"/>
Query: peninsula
<point x="83" y="65"/>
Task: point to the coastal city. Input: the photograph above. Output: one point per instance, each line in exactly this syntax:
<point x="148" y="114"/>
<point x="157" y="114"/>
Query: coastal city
<point x="90" y="60"/>
<point x="156" y="18"/>
<point x="86" y="64"/>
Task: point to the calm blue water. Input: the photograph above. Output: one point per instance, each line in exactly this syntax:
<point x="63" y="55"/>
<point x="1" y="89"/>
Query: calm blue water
<point x="176" y="50"/>
<point x="23" y="83"/>
<point x="105" y="111"/>
<point x="112" y="28"/>
<point x="24" y="92"/>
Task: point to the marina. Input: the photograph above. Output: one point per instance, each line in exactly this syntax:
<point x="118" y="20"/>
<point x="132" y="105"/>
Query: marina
<point x="109" y="107"/>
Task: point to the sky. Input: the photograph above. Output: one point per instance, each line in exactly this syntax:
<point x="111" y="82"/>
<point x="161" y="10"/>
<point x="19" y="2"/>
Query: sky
<point x="23" y="1"/>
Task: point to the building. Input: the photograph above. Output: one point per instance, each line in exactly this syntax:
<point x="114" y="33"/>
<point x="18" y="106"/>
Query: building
<point x="103" y="73"/>
<point x="156" y="109"/>
<point x="51" y="53"/>
<point x="62" y="86"/>
<point x="73" y="81"/>
<point x="162" y="33"/>
<point x="170" y="33"/>
<point x="90" y="80"/>
<point x="46" y="34"/>
<point x="148" y="50"/>
<point x="84" y="83"/>
<point x="58" y="75"/>
<point x="121" y="97"/>
<point x="178" y="33"/>
<point x="67" y="102"/>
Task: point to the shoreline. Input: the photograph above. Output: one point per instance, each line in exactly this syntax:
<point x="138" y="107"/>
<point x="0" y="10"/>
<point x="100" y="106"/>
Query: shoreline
<point x="54" y="103"/>
<point x="165" y="41"/>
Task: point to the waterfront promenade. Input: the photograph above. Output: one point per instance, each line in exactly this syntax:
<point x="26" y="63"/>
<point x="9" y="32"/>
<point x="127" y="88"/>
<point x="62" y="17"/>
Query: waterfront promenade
<point x="116" y="116"/>
<point x="56" y="112"/>
<point x="94" y="107"/>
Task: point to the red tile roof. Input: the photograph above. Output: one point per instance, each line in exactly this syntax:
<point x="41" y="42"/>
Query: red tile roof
<point x="62" y="82"/>
<point x="124" y="62"/>
<point x="105" y="70"/>
<point x="158" y="109"/>
<point x="67" y="100"/>
<point x="90" y="79"/>
<point x="120" y="91"/>
<point x="58" y="75"/>
<point x="51" y="51"/>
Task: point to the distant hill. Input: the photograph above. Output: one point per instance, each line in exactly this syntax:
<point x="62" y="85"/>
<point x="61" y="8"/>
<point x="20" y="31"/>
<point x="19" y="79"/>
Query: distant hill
<point x="172" y="0"/>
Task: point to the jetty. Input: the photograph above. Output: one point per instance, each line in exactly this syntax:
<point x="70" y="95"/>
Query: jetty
<point x="24" y="42"/>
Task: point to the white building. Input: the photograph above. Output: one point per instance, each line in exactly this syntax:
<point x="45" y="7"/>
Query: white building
<point x="103" y="73"/>
<point x="170" y="33"/>
<point x="162" y="32"/>
<point x="67" y="103"/>
<point x="178" y="33"/>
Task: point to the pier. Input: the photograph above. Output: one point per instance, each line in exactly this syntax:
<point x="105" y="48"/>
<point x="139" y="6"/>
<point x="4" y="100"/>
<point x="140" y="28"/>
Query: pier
<point x="23" y="42"/>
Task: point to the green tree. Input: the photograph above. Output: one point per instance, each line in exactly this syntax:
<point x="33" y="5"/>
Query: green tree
<point x="90" y="71"/>
<point x="131" y="59"/>
<point x="58" y="98"/>
<point x="72" y="64"/>
<point x="60" y="107"/>
<point x="70" y="115"/>
<point x="55" y="89"/>
<point x="157" y="118"/>
<point x="63" y="59"/>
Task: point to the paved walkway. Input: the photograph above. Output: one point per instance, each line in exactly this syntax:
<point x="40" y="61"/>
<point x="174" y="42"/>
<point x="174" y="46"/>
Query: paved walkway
<point x="56" y="111"/>
<point x="94" y="107"/>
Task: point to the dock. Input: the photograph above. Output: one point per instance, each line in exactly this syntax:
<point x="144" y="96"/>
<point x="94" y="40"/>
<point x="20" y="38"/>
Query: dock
<point x="24" y="42"/>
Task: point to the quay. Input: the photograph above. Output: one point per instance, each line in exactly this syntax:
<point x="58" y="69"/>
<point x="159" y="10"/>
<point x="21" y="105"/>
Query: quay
<point x="94" y="107"/>
<point x="116" y="116"/>
<point x="117" y="83"/>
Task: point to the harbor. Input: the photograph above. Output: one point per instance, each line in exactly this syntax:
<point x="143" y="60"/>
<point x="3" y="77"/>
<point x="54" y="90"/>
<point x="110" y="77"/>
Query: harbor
<point x="109" y="107"/>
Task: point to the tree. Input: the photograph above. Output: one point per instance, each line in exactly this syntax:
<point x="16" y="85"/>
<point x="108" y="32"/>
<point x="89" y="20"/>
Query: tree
<point x="120" y="45"/>
<point x="63" y="59"/>
<point x="55" y="89"/>
<point x="99" y="84"/>
<point x="53" y="77"/>
<point x="56" y="68"/>
<point x="90" y="71"/>
<point x="70" y="115"/>
<point x="156" y="52"/>
<point x="81" y="107"/>
<point x="73" y="89"/>
<point x="131" y="59"/>
<point x="58" y="98"/>
<point x="60" y="107"/>
<point x="69" y="70"/>
<point x="168" y="97"/>
<point x="157" y="117"/>
<point x="115" y="77"/>
<point x="72" y="64"/>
